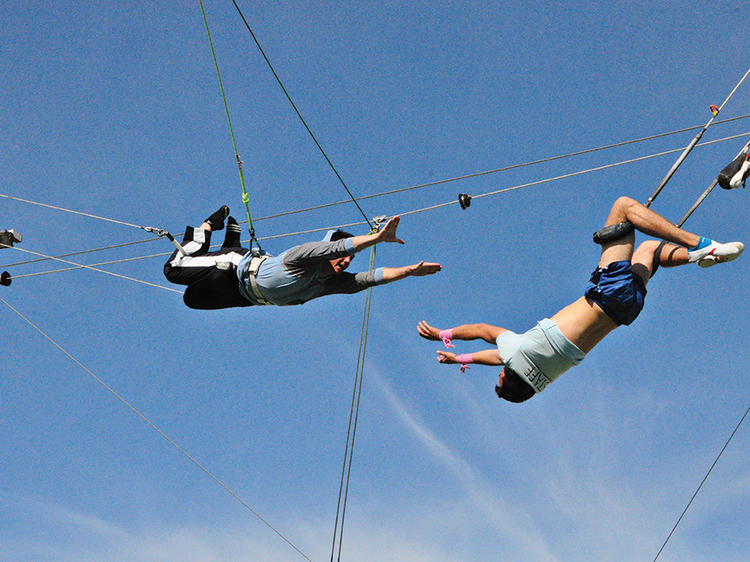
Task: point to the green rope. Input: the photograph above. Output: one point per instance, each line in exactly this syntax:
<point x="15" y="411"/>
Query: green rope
<point x="245" y="196"/>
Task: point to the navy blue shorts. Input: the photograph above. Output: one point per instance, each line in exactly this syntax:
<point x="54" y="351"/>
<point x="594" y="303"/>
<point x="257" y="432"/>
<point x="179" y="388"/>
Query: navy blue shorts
<point x="618" y="291"/>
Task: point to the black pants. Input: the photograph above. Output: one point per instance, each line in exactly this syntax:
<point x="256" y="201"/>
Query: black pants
<point x="211" y="277"/>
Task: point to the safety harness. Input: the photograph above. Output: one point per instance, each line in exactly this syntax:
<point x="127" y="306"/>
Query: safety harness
<point x="252" y="274"/>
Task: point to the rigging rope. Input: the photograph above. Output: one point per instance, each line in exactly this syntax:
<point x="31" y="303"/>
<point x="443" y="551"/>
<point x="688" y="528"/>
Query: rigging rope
<point x="154" y="427"/>
<point x="715" y="111"/>
<point x="716" y="460"/>
<point x="245" y="196"/>
<point x="360" y="223"/>
<point x="79" y="252"/>
<point x="598" y="168"/>
<point x="98" y="217"/>
<point x="611" y="165"/>
<point x="91" y="265"/>
<point x="351" y="430"/>
<point x="389" y="192"/>
<point x="92" y="268"/>
<point x="503" y="169"/>
<point x="707" y="191"/>
<point x="302" y="119"/>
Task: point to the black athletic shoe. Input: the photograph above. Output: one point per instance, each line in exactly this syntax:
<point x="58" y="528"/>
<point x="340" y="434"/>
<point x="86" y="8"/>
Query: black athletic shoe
<point x="217" y="219"/>
<point x="232" y="237"/>
<point x="736" y="172"/>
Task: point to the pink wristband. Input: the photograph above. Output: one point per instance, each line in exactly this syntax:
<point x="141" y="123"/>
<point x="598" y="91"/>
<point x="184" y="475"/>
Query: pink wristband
<point x="464" y="359"/>
<point x="447" y="336"/>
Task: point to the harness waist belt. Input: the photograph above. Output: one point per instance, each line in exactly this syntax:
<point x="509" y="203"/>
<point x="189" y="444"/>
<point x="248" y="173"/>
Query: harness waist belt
<point x="252" y="272"/>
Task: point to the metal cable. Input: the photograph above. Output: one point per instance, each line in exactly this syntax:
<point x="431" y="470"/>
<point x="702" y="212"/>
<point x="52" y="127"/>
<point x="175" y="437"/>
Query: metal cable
<point x="78" y="266"/>
<point x="423" y="209"/>
<point x="79" y="252"/>
<point x="684" y="511"/>
<point x="71" y="211"/>
<point x="390" y="192"/>
<point x="73" y="268"/>
<point x="501" y="169"/>
<point x="154" y="427"/>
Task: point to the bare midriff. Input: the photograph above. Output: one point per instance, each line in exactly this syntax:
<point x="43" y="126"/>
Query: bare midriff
<point x="584" y="323"/>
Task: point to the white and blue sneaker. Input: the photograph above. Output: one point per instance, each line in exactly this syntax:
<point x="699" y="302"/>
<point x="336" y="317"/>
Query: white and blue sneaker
<point x="708" y="253"/>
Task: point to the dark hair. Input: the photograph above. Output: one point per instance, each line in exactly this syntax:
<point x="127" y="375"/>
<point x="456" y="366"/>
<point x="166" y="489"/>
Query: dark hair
<point x="514" y="388"/>
<point x="339" y="234"/>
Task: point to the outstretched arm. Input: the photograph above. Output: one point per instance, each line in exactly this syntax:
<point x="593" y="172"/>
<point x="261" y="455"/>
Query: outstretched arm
<point x="385" y="234"/>
<point x="486" y="332"/>
<point x="417" y="270"/>
<point x="484" y="357"/>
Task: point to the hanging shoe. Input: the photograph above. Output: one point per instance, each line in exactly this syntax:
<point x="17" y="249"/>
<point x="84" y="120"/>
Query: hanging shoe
<point x="217" y="219"/>
<point x="721" y="253"/>
<point x="232" y="237"/>
<point x="736" y="172"/>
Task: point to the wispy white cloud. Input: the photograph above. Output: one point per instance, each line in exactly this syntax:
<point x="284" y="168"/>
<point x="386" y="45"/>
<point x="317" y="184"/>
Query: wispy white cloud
<point x="589" y="464"/>
<point x="515" y="523"/>
<point x="62" y="533"/>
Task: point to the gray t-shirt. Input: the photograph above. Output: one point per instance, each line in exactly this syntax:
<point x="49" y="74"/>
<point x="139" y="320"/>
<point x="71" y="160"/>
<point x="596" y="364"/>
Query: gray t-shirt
<point x="293" y="277"/>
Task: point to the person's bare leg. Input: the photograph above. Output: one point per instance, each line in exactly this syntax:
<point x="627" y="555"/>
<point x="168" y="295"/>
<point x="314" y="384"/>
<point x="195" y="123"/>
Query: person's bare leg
<point x="670" y="256"/>
<point x="647" y="221"/>
<point x="705" y="251"/>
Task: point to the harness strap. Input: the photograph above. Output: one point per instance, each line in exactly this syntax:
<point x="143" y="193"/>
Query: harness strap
<point x="657" y="257"/>
<point x="252" y="272"/>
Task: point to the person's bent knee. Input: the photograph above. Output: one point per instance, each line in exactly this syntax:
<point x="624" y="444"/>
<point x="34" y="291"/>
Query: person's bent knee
<point x="619" y="211"/>
<point x="623" y="203"/>
<point x="645" y="261"/>
<point x="646" y="248"/>
<point x="625" y="200"/>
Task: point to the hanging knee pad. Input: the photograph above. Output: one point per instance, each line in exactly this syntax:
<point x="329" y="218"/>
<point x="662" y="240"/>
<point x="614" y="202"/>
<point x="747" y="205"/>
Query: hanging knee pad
<point x="613" y="232"/>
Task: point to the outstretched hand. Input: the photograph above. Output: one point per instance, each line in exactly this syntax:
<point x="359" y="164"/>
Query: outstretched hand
<point x="428" y="332"/>
<point x="446" y="357"/>
<point x="388" y="232"/>
<point x="425" y="268"/>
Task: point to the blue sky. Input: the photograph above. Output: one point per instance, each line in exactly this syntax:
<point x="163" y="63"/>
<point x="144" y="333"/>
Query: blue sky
<point x="114" y="110"/>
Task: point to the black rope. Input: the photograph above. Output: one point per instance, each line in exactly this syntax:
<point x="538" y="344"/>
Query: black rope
<point x="302" y="119"/>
